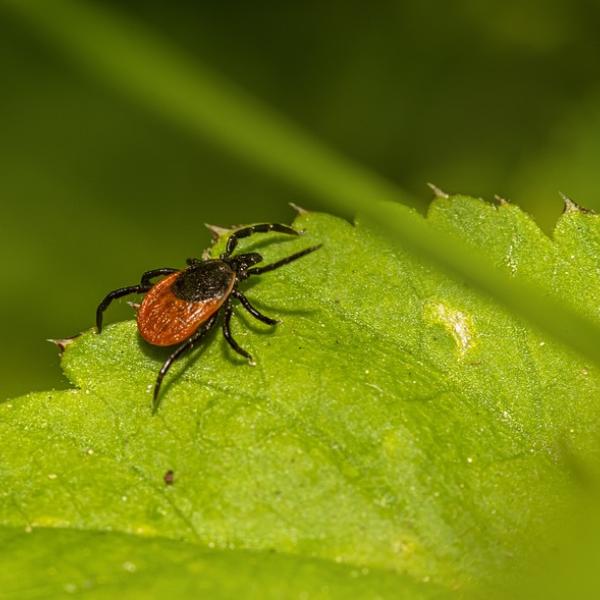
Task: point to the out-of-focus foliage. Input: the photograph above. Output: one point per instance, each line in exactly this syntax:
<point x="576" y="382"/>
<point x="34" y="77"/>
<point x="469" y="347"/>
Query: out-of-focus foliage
<point x="485" y="98"/>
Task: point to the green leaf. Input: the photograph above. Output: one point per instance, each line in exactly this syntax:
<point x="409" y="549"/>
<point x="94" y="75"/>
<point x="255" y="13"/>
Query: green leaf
<point x="398" y="426"/>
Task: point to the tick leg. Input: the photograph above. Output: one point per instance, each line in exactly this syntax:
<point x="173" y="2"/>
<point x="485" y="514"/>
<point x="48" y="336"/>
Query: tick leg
<point x="185" y="347"/>
<point x="133" y="289"/>
<point x="229" y="337"/>
<point x="149" y="275"/>
<point x="232" y="242"/>
<point x="284" y="261"/>
<point x="253" y="311"/>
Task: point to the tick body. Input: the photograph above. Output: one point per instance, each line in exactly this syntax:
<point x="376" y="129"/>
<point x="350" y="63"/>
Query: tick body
<point x="184" y="306"/>
<point x="174" y="308"/>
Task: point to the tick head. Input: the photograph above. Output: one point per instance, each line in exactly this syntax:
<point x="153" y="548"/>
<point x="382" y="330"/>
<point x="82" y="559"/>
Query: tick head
<point x="242" y="262"/>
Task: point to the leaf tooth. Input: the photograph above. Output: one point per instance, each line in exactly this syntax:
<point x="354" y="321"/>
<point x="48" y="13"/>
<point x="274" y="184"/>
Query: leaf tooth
<point x="437" y="192"/>
<point x="62" y="343"/>
<point x="299" y="209"/>
<point x="216" y="231"/>
<point x="571" y="206"/>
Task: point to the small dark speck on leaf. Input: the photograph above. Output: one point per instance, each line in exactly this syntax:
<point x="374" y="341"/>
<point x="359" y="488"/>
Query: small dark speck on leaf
<point x="169" y="477"/>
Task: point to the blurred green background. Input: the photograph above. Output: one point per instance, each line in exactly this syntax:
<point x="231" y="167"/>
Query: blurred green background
<point x="483" y="98"/>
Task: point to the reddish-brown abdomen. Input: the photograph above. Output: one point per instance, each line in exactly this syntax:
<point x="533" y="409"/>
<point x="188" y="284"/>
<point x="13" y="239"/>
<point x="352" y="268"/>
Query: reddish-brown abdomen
<point x="163" y="319"/>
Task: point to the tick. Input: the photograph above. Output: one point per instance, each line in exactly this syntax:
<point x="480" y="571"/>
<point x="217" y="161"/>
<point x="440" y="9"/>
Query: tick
<point x="180" y="309"/>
